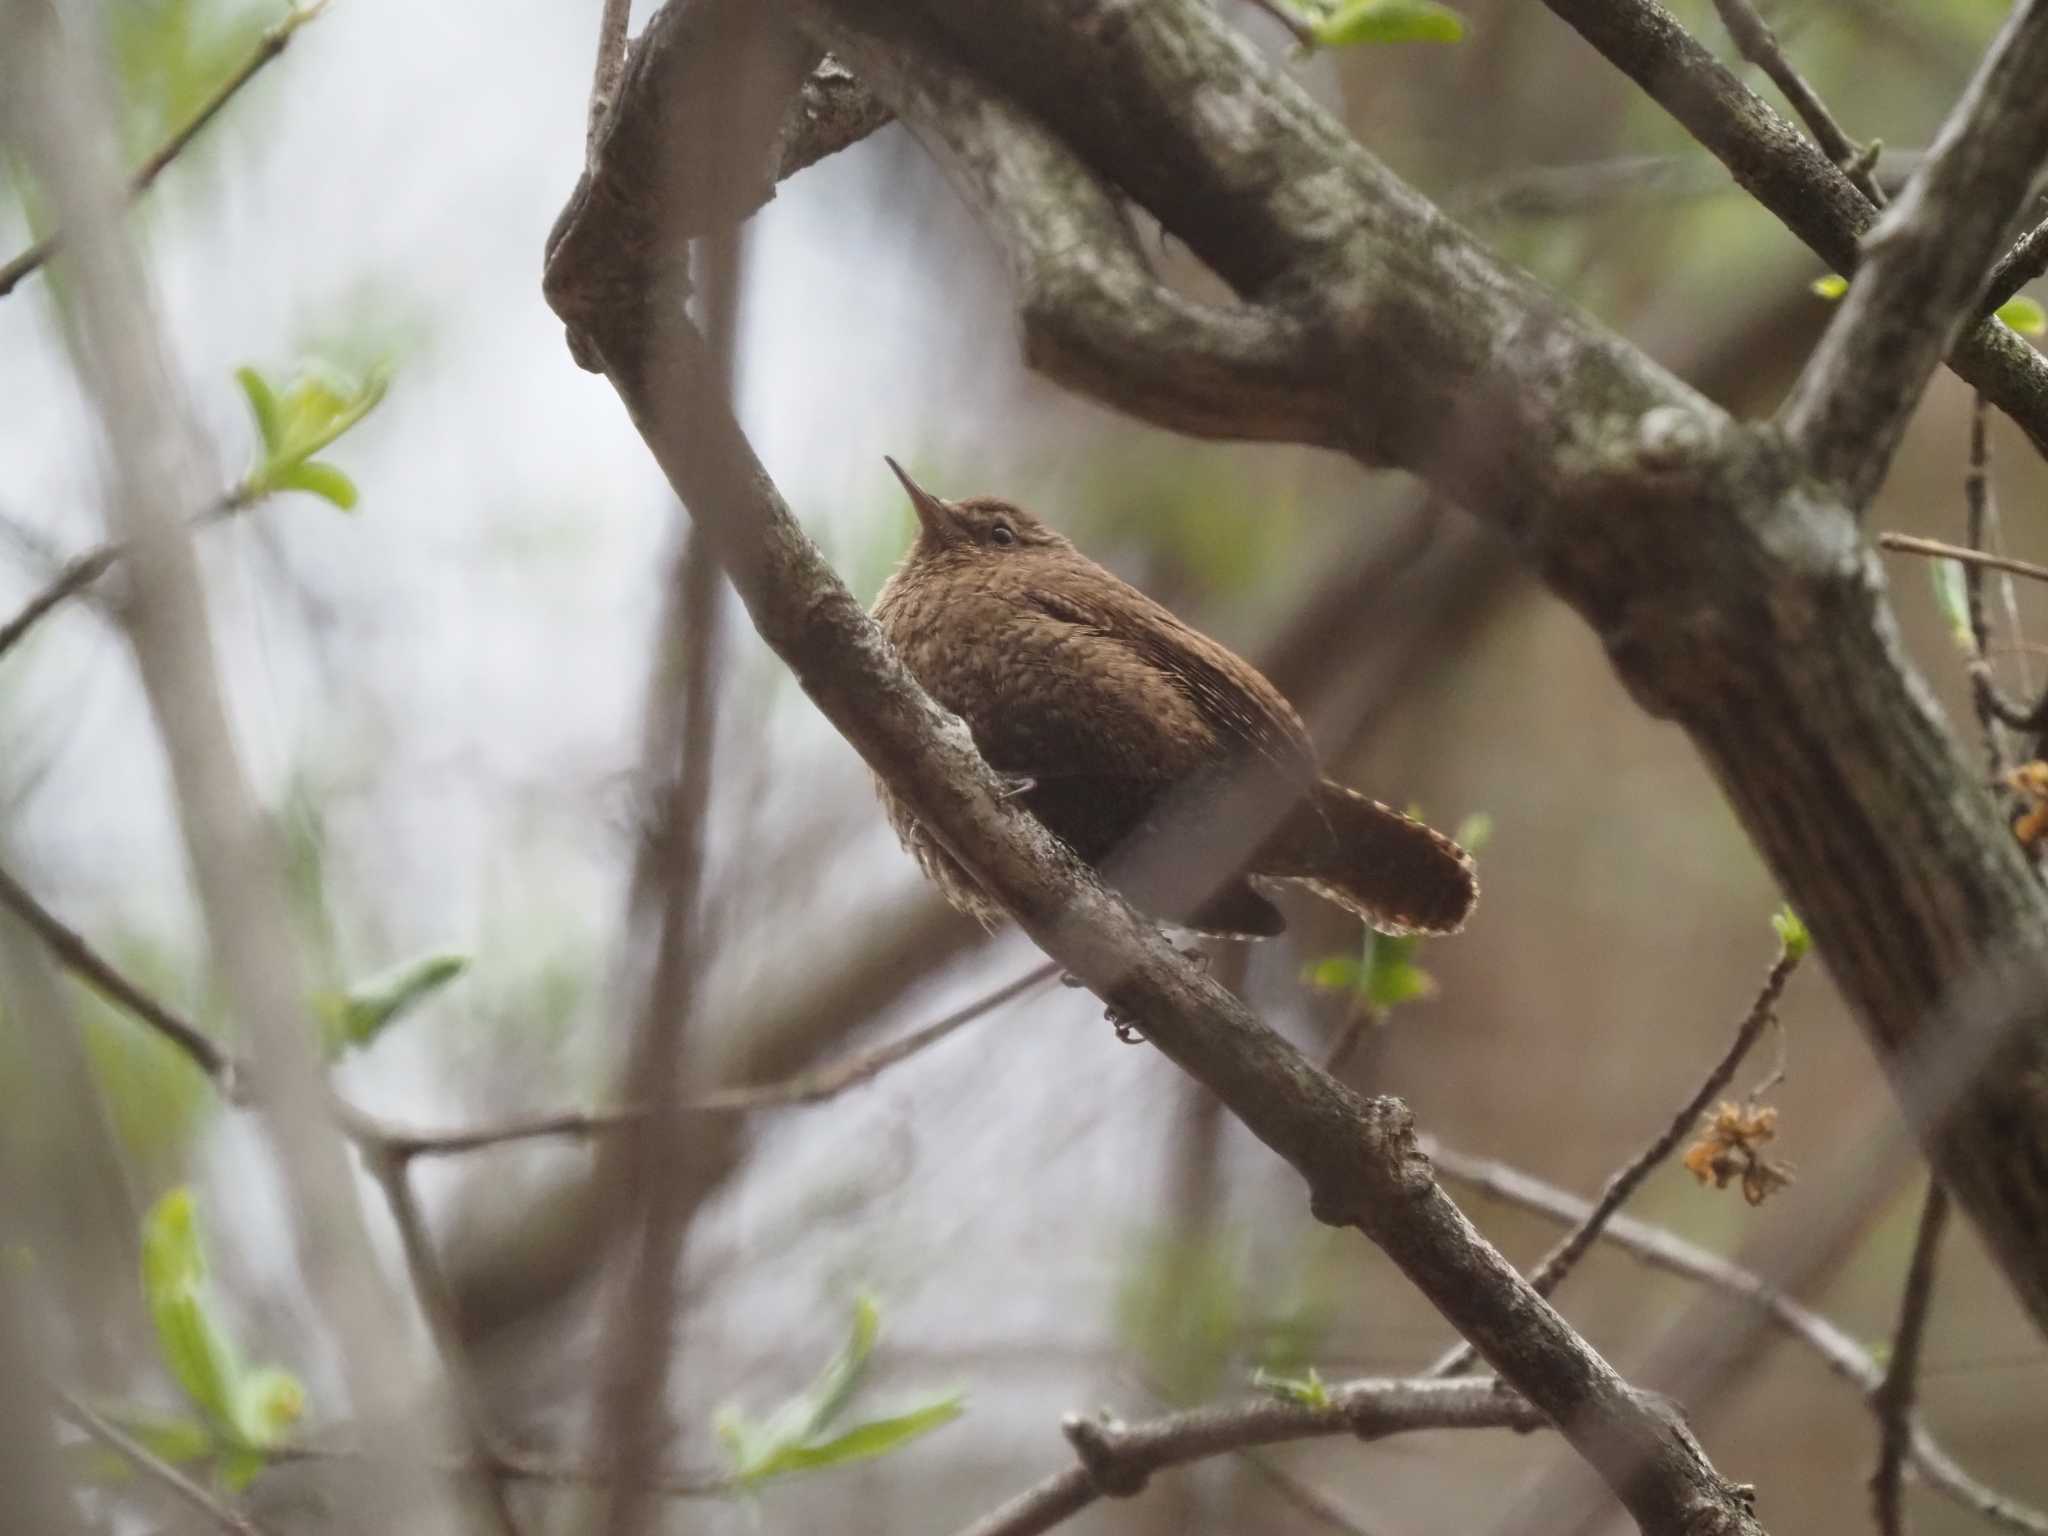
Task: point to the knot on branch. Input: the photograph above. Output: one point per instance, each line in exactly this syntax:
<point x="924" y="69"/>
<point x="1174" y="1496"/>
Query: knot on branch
<point x="1100" y="1446"/>
<point x="1387" y="1169"/>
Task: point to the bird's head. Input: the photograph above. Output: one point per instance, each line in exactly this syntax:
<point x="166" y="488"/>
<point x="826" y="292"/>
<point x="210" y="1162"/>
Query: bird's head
<point x="981" y="527"/>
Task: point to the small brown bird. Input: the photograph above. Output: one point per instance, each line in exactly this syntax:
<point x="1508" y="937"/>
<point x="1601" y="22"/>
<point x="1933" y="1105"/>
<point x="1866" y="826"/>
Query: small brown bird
<point x="1115" y="719"/>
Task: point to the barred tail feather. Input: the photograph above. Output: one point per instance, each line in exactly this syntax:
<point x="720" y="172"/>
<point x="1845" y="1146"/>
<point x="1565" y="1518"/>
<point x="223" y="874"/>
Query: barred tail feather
<point x="1394" y="873"/>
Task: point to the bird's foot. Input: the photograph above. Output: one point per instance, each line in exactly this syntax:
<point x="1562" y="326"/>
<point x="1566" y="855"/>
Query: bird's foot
<point x="1125" y="1026"/>
<point x="1017" y="785"/>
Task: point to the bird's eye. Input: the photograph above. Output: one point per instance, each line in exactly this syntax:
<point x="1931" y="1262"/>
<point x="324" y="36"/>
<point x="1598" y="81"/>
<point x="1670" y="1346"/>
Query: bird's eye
<point x="1002" y="535"/>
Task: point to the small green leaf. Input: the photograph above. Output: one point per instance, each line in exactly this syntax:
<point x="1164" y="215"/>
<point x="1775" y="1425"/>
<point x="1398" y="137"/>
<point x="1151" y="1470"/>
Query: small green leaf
<point x="173" y="1282"/>
<point x="1388" y="21"/>
<point x="1792" y="934"/>
<point x="240" y="1466"/>
<point x="170" y="1437"/>
<point x="2024" y="316"/>
<point x="262" y="405"/>
<point x="1310" y="1390"/>
<point x="1391" y="975"/>
<point x="864" y="1442"/>
<point x="1474" y="832"/>
<point x="1333" y="973"/>
<point x="268" y="1402"/>
<point x="1952" y="597"/>
<point x="812" y="1410"/>
<point x="1833" y="286"/>
<point x="321" y="479"/>
<point x="352" y="1019"/>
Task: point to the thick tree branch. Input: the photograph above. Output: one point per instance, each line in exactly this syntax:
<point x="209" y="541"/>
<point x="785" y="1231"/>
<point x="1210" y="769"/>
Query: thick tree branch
<point x="1924" y="265"/>
<point x="1777" y="166"/>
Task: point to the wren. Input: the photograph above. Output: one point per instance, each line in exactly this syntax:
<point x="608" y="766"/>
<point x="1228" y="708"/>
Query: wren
<point x="1125" y="730"/>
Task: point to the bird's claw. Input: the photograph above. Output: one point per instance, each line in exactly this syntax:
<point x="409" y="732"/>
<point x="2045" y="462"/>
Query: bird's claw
<point x="1016" y="785"/>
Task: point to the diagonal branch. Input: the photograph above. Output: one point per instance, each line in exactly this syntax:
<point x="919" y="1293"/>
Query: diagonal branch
<point x="1784" y="172"/>
<point x="1924" y="265"/>
<point x="153" y="1466"/>
<point x="273" y="42"/>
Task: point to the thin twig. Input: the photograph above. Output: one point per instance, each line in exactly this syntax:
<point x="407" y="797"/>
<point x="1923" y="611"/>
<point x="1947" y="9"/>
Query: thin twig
<point x="1117" y="1459"/>
<point x="1992" y="707"/>
<point x="1662" y="1249"/>
<point x="1913" y="544"/>
<point x="89" y="966"/>
<point x="521" y="1467"/>
<point x="611" y="68"/>
<point x="444" y="1323"/>
<point x="151" y="1465"/>
<point x="1759" y="44"/>
<point x="1550" y="1272"/>
<point x="1302" y="33"/>
<point x="81" y="571"/>
<point x="1893" y="1400"/>
<point x="272" y="43"/>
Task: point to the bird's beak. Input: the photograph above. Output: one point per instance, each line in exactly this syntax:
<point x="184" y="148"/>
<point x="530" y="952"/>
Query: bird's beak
<point x="932" y="513"/>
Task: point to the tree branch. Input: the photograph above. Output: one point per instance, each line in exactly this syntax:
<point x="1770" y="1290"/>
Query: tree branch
<point x="1924" y="265"/>
<point x="1759" y="45"/>
<point x="1665" y="1250"/>
<point x="1893" y="1399"/>
<point x="153" y="1466"/>
<point x="1784" y="172"/>
<point x="1117" y="1459"/>
<point x="273" y="42"/>
<point x="1551" y="1270"/>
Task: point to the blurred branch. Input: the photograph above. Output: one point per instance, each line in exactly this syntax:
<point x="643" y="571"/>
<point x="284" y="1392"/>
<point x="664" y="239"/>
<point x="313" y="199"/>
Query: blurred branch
<point x="273" y="42"/>
<point x="611" y="65"/>
<point x="1116" y="1460"/>
<point x="59" y="114"/>
<point x="1665" y="1250"/>
<point x="1893" y="1399"/>
<point x="1550" y="1272"/>
<point x="1924" y="264"/>
<point x="81" y="571"/>
<point x="832" y="112"/>
<point x="89" y="966"/>
<point x="443" y="1318"/>
<point x="655" y="1178"/>
<point x="1759" y="44"/>
<point x="1784" y="172"/>
<point x="1912" y="544"/>
<point x="151" y="1465"/>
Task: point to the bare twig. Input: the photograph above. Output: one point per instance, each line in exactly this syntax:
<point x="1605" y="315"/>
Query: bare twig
<point x="1993" y="708"/>
<point x="444" y="1323"/>
<point x="81" y="571"/>
<point x="1759" y="44"/>
<point x="89" y="966"/>
<point x="611" y="66"/>
<point x="1550" y="1272"/>
<point x="152" y="1466"/>
<point x="1117" y="1459"/>
<point x="654" y="1158"/>
<point x="522" y="1467"/>
<point x="1893" y="1399"/>
<point x="1665" y="1250"/>
<point x="273" y="42"/>
<point x="1923" y="267"/>
<point x="1913" y="544"/>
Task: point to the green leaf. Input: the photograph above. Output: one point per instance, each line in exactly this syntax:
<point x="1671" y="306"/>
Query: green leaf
<point x="194" y="1349"/>
<point x="268" y="1402"/>
<point x="813" y="1409"/>
<point x="170" y="1437"/>
<point x="240" y="1465"/>
<point x="1474" y="832"/>
<point x="1334" y="973"/>
<point x="864" y="1442"/>
<point x="322" y="480"/>
<point x="1388" y="21"/>
<point x="1952" y="597"/>
<point x="2024" y="316"/>
<point x="352" y="1019"/>
<point x="262" y="405"/>
<point x="1792" y="934"/>
<point x="1391" y="975"/>
<point x="1833" y="286"/>
<point x="1309" y="1390"/>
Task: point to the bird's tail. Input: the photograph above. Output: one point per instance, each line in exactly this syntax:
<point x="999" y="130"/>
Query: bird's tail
<point x="1396" y="874"/>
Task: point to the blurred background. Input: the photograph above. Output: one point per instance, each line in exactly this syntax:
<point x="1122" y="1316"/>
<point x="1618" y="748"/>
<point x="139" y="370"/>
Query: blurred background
<point x="441" y="695"/>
